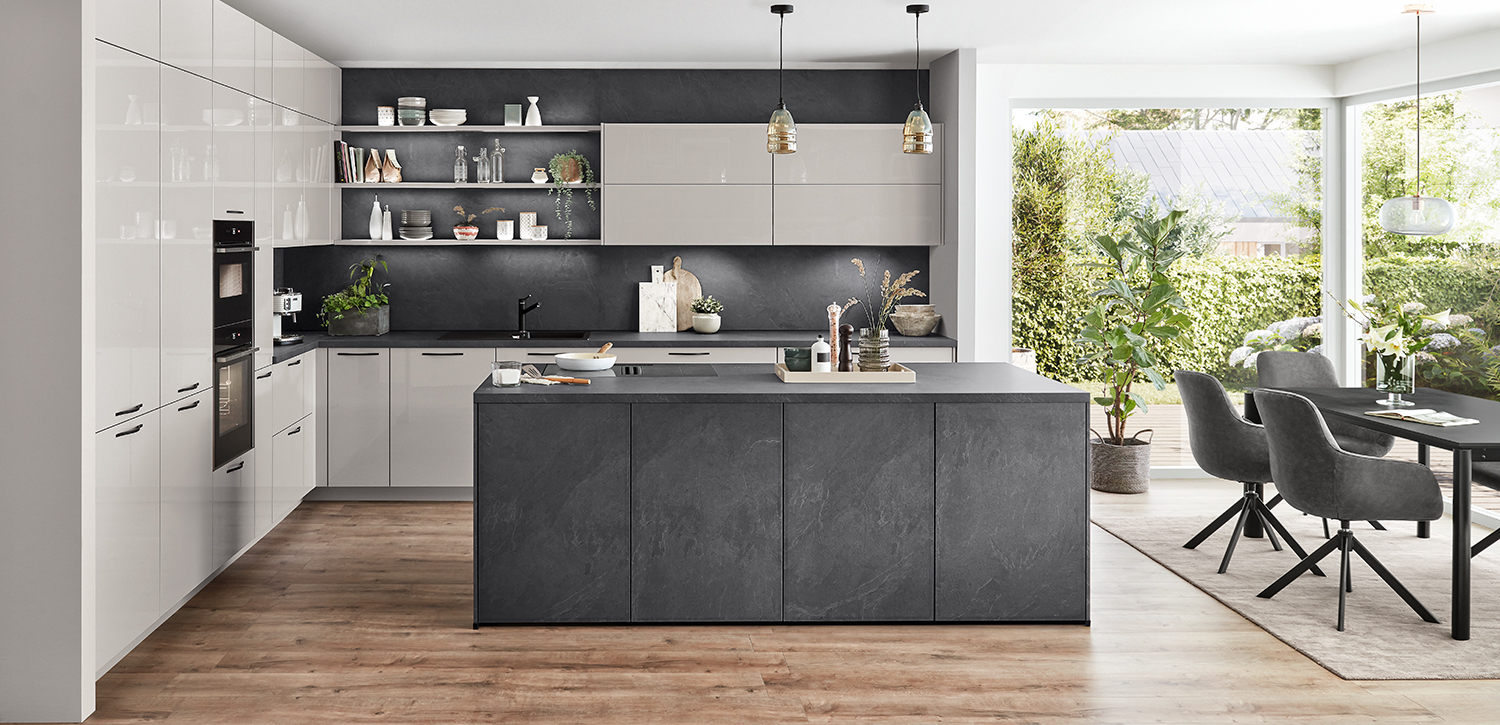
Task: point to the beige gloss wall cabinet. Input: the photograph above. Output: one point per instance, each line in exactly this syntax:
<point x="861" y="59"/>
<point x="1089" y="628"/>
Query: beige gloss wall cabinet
<point x="187" y="35"/>
<point x="869" y="215"/>
<point x="134" y="25"/>
<point x="127" y="334"/>
<point x="187" y="257"/>
<point x="234" y="48"/>
<point x="432" y="414"/>
<point x="856" y="154"/>
<point x="127" y="540"/>
<point x="187" y="496"/>
<point x="687" y="153"/>
<point x="359" y="423"/>
<point x="673" y="214"/>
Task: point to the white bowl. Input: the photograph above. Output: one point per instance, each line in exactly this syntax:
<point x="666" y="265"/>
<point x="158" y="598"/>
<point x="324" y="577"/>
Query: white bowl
<point x="585" y="361"/>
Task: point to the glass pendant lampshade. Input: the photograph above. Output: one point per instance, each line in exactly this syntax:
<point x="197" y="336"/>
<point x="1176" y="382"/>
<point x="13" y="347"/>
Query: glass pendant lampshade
<point x="916" y="137"/>
<point x="781" y="132"/>
<point x="1417" y="215"/>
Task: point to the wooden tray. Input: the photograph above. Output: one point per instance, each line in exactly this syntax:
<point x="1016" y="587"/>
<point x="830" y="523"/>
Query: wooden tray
<point x="897" y="374"/>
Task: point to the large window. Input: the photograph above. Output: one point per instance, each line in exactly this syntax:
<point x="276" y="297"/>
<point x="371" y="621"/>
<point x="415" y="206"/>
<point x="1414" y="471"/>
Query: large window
<point x="1250" y="181"/>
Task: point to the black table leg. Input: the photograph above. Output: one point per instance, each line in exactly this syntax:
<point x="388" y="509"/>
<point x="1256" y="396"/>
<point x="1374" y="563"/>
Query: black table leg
<point x="1424" y="457"/>
<point x="1463" y="473"/>
<point x="1253" y="527"/>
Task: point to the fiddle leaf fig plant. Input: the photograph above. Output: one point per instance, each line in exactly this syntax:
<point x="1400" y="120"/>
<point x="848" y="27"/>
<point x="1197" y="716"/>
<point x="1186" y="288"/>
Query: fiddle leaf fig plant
<point x="358" y="297"/>
<point x="1137" y="309"/>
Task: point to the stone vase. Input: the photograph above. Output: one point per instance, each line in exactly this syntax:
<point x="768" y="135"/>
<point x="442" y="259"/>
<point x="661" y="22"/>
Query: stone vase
<point x="874" y="350"/>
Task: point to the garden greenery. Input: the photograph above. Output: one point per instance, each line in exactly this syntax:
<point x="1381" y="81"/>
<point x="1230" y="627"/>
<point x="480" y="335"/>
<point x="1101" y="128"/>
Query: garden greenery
<point x="358" y="297"/>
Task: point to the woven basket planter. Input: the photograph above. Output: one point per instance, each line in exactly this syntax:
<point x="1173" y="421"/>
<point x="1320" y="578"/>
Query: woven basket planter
<point x="1120" y="469"/>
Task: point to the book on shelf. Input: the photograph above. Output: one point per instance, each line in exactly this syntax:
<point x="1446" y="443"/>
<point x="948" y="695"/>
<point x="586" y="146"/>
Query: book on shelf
<point x="1425" y="416"/>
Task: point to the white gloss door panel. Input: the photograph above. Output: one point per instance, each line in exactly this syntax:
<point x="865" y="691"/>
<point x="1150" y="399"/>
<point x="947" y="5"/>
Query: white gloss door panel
<point x="687" y="214"/>
<point x="318" y="140"/>
<point x="233" y="173"/>
<point x="288" y="144"/>
<point x="127" y="254"/>
<point x="234" y="48"/>
<point x="289" y="451"/>
<point x="127" y="538"/>
<point x="289" y="402"/>
<point x="287" y="81"/>
<point x="131" y="24"/>
<point x="359" y="423"/>
<point x="187" y="496"/>
<point x="686" y="153"/>
<point x="234" y="506"/>
<point x="187" y="165"/>
<point x="895" y="215"/>
<point x="265" y="62"/>
<point x="432" y="414"/>
<point x="856" y="154"/>
<point x="265" y="434"/>
<point x="902" y="354"/>
<point x="187" y="35"/>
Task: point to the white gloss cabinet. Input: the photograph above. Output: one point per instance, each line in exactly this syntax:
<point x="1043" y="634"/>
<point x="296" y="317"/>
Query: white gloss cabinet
<point x="232" y="169"/>
<point x="856" y="154"/>
<point x="127" y="539"/>
<point x="869" y="215"/>
<point x="288" y="145"/>
<point x="188" y="163"/>
<point x="187" y="496"/>
<point x="265" y="432"/>
<point x="234" y="507"/>
<point x="187" y="35"/>
<point x="707" y="153"/>
<point x="289" y="452"/>
<point x="359" y="431"/>
<point x="289" y="397"/>
<point x="287" y="78"/>
<point x="265" y="62"/>
<point x="432" y="414"/>
<point x="131" y="24"/>
<point x="127" y="311"/>
<point x="671" y="214"/>
<point x="233" y="48"/>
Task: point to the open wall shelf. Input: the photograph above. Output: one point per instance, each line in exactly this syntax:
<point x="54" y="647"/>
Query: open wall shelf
<point x="450" y="185"/>
<point x="469" y="129"/>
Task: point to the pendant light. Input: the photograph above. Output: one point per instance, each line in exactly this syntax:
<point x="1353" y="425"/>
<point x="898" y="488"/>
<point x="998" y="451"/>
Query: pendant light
<point x="1417" y="215"/>
<point x="917" y="136"/>
<point x="781" y="133"/>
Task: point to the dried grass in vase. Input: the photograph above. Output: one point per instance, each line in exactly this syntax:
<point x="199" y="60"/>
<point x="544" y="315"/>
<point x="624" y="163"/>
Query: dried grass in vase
<point x="891" y="292"/>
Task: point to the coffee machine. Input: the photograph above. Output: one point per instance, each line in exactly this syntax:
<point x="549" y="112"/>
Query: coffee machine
<point x="286" y="303"/>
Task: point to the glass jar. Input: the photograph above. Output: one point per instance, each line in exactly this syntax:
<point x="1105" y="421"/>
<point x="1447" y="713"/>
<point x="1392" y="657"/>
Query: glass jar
<point x="874" y="350"/>
<point x="505" y="374"/>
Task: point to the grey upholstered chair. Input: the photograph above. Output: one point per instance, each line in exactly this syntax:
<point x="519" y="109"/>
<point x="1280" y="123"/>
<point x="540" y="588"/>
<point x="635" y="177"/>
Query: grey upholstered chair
<point x="1314" y="475"/>
<point x="1225" y="445"/>
<point x="1281" y="369"/>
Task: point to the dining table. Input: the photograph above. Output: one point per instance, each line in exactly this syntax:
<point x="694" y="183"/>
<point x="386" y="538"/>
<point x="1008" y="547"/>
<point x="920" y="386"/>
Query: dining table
<point x="1468" y="443"/>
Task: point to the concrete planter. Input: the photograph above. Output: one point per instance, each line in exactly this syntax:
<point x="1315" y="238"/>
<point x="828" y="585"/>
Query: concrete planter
<point x="373" y="321"/>
<point x="1120" y="469"/>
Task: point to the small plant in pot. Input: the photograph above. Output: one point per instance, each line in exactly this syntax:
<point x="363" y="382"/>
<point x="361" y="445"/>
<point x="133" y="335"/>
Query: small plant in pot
<point x="706" y="314"/>
<point x="570" y="168"/>
<point x="465" y="229"/>
<point x="362" y="308"/>
<point x="1137" y="309"/>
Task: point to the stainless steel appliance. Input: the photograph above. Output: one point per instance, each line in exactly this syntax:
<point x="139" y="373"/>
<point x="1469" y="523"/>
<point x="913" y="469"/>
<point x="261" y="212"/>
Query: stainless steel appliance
<point x="285" y="302"/>
<point x="234" y="314"/>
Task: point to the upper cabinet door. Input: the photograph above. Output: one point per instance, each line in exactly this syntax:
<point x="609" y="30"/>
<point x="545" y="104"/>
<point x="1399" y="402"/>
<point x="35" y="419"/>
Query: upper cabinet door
<point x="265" y="62"/>
<point x="189" y="163"/>
<point x="857" y="154"/>
<point x="187" y="35"/>
<point x="688" y="153"/>
<point x="233" y="154"/>
<point x="131" y="24"/>
<point x="287" y="77"/>
<point x="908" y="215"/>
<point x="667" y="214"/>
<point x="317" y="87"/>
<point x="234" y="48"/>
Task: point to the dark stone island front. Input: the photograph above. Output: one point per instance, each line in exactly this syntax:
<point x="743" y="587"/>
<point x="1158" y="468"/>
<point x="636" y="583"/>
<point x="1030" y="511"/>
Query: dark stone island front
<point x="738" y="498"/>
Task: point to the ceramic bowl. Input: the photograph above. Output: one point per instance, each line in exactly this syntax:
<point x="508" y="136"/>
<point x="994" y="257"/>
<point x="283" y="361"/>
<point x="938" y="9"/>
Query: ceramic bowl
<point x="798" y="359"/>
<point x="916" y="309"/>
<point x="584" y="361"/>
<point x="915" y="325"/>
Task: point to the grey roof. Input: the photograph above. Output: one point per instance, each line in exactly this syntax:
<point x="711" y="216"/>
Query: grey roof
<point x="1241" y="169"/>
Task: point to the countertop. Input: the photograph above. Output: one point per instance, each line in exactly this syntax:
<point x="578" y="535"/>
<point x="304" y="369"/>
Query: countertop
<point x="726" y="338"/>
<point x="744" y="383"/>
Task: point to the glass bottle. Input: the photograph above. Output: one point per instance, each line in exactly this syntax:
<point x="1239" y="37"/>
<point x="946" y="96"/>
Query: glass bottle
<point x="497" y="161"/>
<point x="460" y="167"/>
<point x="482" y="169"/>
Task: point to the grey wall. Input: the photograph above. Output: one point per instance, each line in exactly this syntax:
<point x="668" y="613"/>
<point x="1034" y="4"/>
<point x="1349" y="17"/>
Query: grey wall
<point x="594" y="288"/>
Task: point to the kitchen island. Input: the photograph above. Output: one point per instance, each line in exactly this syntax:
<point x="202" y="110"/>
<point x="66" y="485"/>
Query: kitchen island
<point x="728" y="496"/>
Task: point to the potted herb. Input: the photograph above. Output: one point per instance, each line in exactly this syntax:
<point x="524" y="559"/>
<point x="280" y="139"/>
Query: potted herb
<point x="1137" y="309"/>
<point x="875" y="340"/>
<point x="706" y="314"/>
<point x="361" y="308"/>
<point x="465" y="229"/>
<point x="570" y="168"/>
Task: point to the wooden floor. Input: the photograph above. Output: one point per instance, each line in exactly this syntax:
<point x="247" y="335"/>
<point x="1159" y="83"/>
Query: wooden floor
<point x="359" y="612"/>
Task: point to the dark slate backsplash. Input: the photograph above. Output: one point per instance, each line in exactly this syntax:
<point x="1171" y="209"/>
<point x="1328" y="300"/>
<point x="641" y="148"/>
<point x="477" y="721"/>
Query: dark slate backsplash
<point x="595" y="288"/>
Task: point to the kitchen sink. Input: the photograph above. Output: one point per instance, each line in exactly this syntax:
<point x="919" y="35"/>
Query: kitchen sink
<point x="515" y="335"/>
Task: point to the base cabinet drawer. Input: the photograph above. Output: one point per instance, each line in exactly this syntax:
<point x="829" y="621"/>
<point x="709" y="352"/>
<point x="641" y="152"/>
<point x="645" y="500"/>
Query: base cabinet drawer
<point x="922" y="354"/>
<point x="127" y="540"/>
<point x="234" y="505"/>
<point x="289" y="451"/>
<point x="265" y="433"/>
<point x="432" y="414"/>
<point x="359" y="423"/>
<point x="725" y="355"/>
<point x="187" y="496"/>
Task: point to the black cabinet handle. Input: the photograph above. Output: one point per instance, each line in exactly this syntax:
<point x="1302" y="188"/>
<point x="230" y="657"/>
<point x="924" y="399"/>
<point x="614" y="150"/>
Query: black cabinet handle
<point x="190" y="406"/>
<point x="442" y="354"/>
<point x="128" y="411"/>
<point x="357" y="354"/>
<point x="237" y="467"/>
<point x="294" y="363"/>
<point x="233" y="211"/>
<point x="194" y="386"/>
<point x="294" y="431"/>
<point x="689" y="353"/>
<point x="543" y="354"/>
<point x="124" y="433"/>
<point x="263" y="377"/>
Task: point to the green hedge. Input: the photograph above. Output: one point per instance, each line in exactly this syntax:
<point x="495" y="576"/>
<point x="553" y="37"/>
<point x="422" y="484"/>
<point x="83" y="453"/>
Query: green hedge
<point x="1465" y="286"/>
<point x="1230" y="296"/>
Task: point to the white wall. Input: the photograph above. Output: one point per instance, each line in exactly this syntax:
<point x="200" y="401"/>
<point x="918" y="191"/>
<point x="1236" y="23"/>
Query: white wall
<point x="952" y="264"/>
<point x="46" y="370"/>
<point x="1441" y="60"/>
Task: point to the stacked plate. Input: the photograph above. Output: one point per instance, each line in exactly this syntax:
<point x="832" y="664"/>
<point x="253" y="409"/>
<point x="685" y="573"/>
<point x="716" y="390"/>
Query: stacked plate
<point x="411" y="110"/>
<point x="416" y="224"/>
<point x="448" y="116"/>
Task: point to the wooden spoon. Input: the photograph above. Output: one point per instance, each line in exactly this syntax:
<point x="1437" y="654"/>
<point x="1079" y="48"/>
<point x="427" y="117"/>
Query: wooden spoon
<point x="605" y="349"/>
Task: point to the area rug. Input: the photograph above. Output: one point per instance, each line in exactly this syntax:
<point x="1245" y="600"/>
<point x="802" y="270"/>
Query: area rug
<point x="1383" y="638"/>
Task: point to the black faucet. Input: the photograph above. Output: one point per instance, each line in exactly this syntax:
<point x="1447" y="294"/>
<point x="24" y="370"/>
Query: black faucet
<point x="521" y="309"/>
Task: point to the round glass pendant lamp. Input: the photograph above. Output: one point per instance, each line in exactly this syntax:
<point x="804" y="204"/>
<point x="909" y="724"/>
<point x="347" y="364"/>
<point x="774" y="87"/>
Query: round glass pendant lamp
<point x="781" y="132"/>
<point x="916" y="137"/>
<point x="1417" y="215"/>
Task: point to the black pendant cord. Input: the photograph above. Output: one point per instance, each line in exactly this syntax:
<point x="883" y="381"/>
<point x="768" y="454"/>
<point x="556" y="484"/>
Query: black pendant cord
<point x="780" y="61"/>
<point x="917" y="61"/>
<point x="1419" y="103"/>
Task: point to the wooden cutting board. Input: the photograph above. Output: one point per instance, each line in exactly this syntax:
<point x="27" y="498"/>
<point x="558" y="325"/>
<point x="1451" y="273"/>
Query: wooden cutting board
<point x="688" y="289"/>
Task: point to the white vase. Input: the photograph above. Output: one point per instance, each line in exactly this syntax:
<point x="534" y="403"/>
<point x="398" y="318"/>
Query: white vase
<point x="287" y="223"/>
<point x="533" y="114"/>
<point x="706" y="323"/>
<point x="377" y="222"/>
<point x="133" y="112"/>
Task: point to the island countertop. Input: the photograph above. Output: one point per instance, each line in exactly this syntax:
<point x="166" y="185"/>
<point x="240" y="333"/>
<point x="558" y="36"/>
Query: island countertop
<point x="745" y="383"/>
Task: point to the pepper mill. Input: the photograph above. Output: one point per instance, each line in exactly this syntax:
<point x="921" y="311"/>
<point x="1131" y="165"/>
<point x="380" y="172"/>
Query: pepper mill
<point x="846" y="334"/>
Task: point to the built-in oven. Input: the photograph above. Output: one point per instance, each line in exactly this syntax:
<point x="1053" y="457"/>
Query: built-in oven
<point x="234" y="329"/>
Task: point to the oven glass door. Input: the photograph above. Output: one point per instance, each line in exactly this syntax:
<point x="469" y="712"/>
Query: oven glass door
<point x="234" y="280"/>
<point x="234" y="418"/>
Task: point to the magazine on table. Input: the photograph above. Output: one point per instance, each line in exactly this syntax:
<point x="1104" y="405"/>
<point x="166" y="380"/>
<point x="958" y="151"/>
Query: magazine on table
<point x="1423" y="415"/>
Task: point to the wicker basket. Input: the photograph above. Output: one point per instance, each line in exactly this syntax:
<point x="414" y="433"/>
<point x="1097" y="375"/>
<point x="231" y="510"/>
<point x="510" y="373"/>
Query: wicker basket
<point x="1120" y="469"/>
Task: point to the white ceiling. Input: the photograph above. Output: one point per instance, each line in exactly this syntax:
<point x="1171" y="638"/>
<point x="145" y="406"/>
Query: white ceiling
<point x="742" y="33"/>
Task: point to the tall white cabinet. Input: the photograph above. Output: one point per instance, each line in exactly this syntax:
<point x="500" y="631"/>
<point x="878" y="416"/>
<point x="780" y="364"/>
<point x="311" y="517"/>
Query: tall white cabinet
<point x="189" y="164"/>
<point x="127" y="540"/>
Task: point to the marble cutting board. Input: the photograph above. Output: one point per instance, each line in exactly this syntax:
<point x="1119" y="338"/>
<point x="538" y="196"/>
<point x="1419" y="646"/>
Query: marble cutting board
<point x="658" y="306"/>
